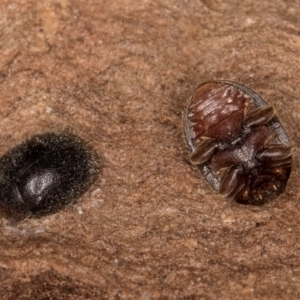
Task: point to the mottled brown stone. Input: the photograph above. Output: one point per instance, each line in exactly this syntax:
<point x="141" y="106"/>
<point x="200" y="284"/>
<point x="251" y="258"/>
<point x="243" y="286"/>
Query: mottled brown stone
<point x="119" y="73"/>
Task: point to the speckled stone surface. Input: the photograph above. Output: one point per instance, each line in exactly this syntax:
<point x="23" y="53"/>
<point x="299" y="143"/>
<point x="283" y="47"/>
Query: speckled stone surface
<point x="119" y="73"/>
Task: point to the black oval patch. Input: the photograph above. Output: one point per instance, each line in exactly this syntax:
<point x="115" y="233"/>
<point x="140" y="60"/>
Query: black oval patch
<point x="44" y="174"/>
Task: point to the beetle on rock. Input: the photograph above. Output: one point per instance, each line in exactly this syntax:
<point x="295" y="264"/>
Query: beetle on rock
<point x="238" y="142"/>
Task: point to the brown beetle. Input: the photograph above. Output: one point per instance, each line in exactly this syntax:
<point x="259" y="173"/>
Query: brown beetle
<point x="238" y="142"/>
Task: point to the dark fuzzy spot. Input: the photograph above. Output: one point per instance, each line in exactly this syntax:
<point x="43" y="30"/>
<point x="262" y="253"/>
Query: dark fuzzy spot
<point x="44" y="174"/>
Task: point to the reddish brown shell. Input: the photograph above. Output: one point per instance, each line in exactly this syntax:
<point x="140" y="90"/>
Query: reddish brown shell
<point x="218" y="111"/>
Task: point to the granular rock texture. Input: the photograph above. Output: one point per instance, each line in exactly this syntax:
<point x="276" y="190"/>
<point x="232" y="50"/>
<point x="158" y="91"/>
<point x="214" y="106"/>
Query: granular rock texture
<point x="119" y="73"/>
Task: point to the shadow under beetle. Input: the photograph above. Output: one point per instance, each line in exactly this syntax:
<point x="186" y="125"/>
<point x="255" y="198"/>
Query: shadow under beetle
<point x="238" y="142"/>
<point x="44" y="174"/>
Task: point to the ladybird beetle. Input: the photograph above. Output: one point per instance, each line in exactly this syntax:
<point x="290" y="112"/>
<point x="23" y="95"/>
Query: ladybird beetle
<point x="44" y="174"/>
<point x="238" y="142"/>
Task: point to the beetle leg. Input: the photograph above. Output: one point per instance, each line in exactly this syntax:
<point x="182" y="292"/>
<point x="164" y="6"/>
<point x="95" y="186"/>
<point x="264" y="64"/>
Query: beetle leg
<point x="230" y="181"/>
<point x="269" y="140"/>
<point x="283" y="163"/>
<point x="239" y="189"/>
<point x="259" y="116"/>
<point x="275" y="152"/>
<point x="247" y="106"/>
<point x="204" y="151"/>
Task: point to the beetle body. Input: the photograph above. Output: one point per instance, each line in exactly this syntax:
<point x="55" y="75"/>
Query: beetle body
<point x="238" y="142"/>
<point x="44" y="174"/>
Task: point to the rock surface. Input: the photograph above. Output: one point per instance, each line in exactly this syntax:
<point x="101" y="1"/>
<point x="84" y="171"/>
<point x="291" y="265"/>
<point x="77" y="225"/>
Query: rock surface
<point x="119" y="73"/>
